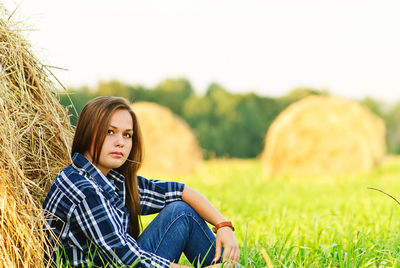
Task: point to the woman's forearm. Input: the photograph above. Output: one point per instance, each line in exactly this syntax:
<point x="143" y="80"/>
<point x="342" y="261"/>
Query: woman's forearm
<point x="224" y="237"/>
<point x="202" y="206"/>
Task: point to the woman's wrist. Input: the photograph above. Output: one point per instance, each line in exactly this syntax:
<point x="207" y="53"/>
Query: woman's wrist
<point x="223" y="224"/>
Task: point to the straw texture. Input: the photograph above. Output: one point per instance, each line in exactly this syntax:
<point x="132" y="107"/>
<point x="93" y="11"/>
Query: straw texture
<point x="322" y="135"/>
<point x="35" y="137"/>
<point x="170" y="147"/>
<point x="22" y="243"/>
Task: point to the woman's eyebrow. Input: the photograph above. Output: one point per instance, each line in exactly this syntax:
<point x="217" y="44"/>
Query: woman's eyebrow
<point x="128" y="129"/>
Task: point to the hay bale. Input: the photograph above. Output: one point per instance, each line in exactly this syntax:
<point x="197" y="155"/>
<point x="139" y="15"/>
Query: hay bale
<point x="36" y="134"/>
<point x="21" y="241"/>
<point x="170" y="147"/>
<point x="35" y="138"/>
<point x="322" y="135"/>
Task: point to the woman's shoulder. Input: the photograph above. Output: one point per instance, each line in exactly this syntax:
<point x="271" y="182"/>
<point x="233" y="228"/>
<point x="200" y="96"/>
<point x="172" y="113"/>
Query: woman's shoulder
<point x="156" y="185"/>
<point x="144" y="183"/>
<point x="75" y="183"/>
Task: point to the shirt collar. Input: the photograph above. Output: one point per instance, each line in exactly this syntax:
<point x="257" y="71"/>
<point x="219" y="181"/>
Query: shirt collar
<point x="102" y="180"/>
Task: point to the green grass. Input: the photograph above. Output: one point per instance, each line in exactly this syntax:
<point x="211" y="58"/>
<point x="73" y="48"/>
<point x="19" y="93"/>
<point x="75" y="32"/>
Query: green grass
<point x="315" y="222"/>
<point x="308" y="222"/>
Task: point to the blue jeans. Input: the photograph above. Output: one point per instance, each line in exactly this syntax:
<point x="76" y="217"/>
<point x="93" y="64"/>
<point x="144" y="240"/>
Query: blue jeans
<point x="176" y="229"/>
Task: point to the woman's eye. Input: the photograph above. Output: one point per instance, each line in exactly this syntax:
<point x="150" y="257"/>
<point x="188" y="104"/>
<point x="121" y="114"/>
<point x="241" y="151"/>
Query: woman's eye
<point x="128" y="135"/>
<point x="110" y="131"/>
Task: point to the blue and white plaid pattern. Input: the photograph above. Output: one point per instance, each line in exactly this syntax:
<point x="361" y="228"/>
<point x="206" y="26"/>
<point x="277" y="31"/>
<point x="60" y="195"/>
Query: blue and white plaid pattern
<point x="87" y="211"/>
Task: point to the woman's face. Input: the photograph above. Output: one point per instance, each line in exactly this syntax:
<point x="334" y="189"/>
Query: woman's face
<point x="117" y="143"/>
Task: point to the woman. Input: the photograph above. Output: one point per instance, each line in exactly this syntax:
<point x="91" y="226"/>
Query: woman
<point x="96" y="202"/>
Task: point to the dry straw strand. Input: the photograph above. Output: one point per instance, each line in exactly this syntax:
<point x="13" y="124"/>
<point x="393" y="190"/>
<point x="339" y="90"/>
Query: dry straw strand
<point x="391" y="196"/>
<point x="266" y="258"/>
<point x="35" y="138"/>
<point x="22" y="243"/>
<point x="38" y="132"/>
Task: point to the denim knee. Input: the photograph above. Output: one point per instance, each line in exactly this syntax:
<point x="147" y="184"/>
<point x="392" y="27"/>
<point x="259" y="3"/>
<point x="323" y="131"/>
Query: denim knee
<point x="179" y="208"/>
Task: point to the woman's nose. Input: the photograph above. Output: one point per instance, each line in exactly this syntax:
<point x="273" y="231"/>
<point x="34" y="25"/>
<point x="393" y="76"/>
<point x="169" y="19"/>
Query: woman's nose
<point x="119" y="140"/>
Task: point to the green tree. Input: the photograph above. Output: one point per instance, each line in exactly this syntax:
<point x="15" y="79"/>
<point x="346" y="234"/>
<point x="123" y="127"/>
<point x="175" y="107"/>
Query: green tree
<point x="255" y="117"/>
<point x="232" y="125"/>
<point x="212" y="117"/>
<point x="298" y="94"/>
<point x="75" y="100"/>
<point x="374" y="106"/>
<point x="113" y="88"/>
<point x="172" y="93"/>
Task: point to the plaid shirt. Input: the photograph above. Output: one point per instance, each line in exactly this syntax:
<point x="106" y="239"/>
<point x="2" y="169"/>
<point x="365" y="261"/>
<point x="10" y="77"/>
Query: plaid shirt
<point x="88" y="213"/>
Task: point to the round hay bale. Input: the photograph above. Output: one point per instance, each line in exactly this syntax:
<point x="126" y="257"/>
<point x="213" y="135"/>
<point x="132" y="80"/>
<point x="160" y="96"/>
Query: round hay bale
<point x="21" y="241"/>
<point x="36" y="134"/>
<point x="322" y="135"/>
<point x="35" y="138"/>
<point x="170" y="147"/>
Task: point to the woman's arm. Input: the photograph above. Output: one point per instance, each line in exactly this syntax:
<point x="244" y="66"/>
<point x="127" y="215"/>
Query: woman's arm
<point x="98" y="221"/>
<point x="225" y="237"/>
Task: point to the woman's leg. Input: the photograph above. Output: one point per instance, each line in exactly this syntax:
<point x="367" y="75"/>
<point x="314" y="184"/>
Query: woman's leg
<point x="176" y="229"/>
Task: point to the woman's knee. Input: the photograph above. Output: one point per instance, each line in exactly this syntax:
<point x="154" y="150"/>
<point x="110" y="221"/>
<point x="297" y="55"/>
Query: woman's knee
<point x="182" y="205"/>
<point x="179" y="208"/>
<point x="179" y="212"/>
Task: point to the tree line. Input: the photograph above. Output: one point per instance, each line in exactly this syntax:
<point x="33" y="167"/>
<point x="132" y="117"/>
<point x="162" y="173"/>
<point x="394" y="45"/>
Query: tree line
<point x="226" y="124"/>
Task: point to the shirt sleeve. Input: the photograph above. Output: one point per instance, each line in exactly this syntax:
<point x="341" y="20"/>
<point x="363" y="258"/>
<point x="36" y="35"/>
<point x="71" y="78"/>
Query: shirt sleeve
<point x="102" y="224"/>
<point x="156" y="194"/>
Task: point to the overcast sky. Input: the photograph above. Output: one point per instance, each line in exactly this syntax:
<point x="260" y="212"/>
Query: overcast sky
<point x="349" y="47"/>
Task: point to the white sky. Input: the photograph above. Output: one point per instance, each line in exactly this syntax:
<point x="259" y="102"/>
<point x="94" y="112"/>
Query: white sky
<point x="349" y="47"/>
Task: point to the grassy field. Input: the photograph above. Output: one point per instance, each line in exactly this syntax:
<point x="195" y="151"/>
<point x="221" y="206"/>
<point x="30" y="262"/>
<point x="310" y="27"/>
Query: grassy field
<point x="335" y="222"/>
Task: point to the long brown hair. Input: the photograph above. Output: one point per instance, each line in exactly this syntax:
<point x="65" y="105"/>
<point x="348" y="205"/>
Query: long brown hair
<point x="92" y="128"/>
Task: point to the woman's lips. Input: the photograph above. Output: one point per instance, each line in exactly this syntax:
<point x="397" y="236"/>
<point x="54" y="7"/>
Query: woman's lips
<point x="117" y="154"/>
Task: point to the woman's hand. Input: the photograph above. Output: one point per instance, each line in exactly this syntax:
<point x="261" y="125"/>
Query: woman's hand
<point x="226" y="239"/>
